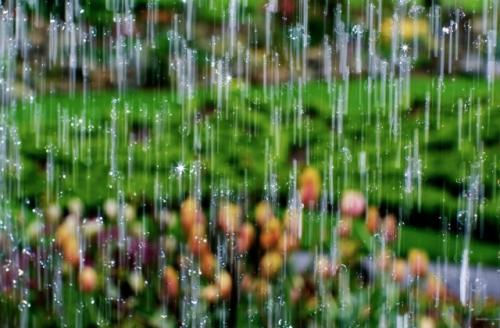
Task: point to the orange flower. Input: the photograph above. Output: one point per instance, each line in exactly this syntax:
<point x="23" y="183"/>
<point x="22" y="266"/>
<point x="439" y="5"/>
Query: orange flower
<point x="310" y="184"/>
<point x="435" y="289"/>
<point x="66" y="230"/>
<point x="270" y="264"/>
<point x="171" y="282"/>
<point x="399" y="271"/>
<point x="198" y="245"/>
<point x="71" y="251"/>
<point x="288" y="243"/>
<point x="197" y="230"/>
<point x="190" y="214"/>
<point x="246" y="283"/>
<point x="210" y="293"/>
<point x="87" y="279"/>
<point x="207" y="264"/>
<point x="390" y="228"/>
<point x="229" y="218"/>
<point x="263" y="213"/>
<point x="270" y="234"/>
<point x="224" y="284"/>
<point x="372" y="220"/>
<point x="418" y="262"/>
<point x="245" y="237"/>
<point x="197" y="239"/>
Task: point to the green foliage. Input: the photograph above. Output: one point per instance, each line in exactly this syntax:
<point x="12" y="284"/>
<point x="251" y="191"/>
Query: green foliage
<point x="155" y="132"/>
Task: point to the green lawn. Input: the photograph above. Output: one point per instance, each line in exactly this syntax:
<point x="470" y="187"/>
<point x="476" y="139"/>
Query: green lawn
<point x="238" y="138"/>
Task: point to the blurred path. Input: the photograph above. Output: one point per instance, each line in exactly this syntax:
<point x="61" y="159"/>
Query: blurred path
<point x="484" y="282"/>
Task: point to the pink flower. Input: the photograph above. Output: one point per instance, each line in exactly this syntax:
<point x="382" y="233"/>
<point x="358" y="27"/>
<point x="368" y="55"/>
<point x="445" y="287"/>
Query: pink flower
<point x="353" y="203"/>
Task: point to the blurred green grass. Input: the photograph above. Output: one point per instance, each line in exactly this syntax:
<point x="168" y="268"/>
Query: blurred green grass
<point x="155" y="132"/>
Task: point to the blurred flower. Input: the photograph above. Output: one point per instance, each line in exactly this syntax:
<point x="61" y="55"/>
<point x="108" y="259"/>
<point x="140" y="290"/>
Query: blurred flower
<point x="384" y="260"/>
<point x="170" y="244"/>
<point x="198" y="230"/>
<point x="66" y="238"/>
<point x="246" y="283"/>
<point x="71" y="251"/>
<point x="171" y="282"/>
<point x="296" y="291"/>
<point x="75" y="206"/>
<point x="92" y="228"/>
<point x="270" y="264"/>
<point x="130" y="213"/>
<point x="197" y="239"/>
<point x="229" y="218"/>
<point x="311" y="304"/>
<point x="365" y="312"/>
<point x="66" y="230"/>
<point x="270" y="234"/>
<point x="224" y="284"/>
<point x="287" y="7"/>
<point x="261" y="288"/>
<point x="288" y="243"/>
<point x="426" y="322"/>
<point x="167" y="218"/>
<point x="372" y="220"/>
<point x="390" y="228"/>
<point x="140" y="249"/>
<point x="87" y="279"/>
<point x="399" y="271"/>
<point x="418" y="262"/>
<point x="210" y="293"/>
<point x="198" y="245"/>
<point x="344" y="227"/>
<point x="111" y="208"/>
<point x="407" y="28"/>
<point x="310" y="184"/>
<point x="435" y="288"/>
<point x="53" y="213"/>
<point x="347" y="249"/>
<point x="136" y="281"/>
<point x="325" y="267"/>
<point x="246" y="237"/>
<point x="263" y="213"/>
<point x="207" y="264"/>
<point x="190" y="214"/>
<point x="352" y="203"/>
